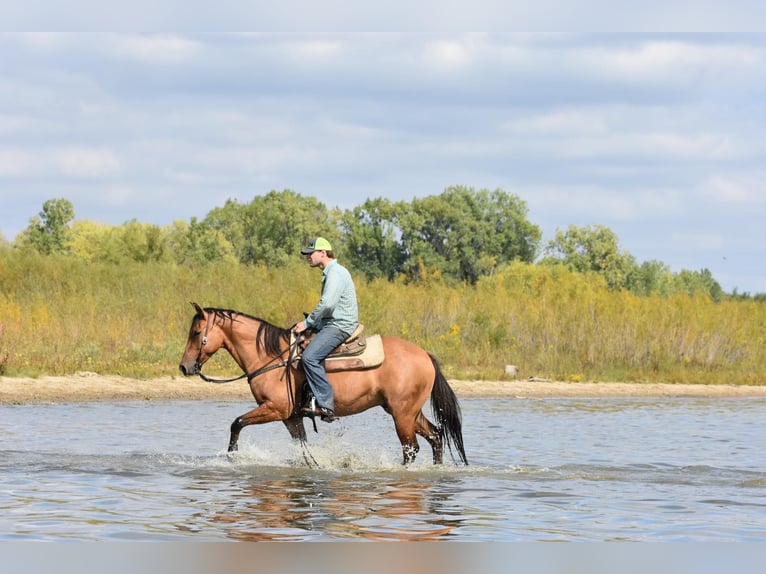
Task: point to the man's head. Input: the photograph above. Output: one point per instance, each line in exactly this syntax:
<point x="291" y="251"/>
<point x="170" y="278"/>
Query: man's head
<point x="318" y="252"/>
<point x="318" y="244"/>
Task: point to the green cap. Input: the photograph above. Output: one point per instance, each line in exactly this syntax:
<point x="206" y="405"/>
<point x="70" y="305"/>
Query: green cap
<point x="318" y="244"/>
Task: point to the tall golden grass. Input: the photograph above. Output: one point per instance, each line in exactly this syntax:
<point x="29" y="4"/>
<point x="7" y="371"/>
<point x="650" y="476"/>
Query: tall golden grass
<point x="60" y="315"/>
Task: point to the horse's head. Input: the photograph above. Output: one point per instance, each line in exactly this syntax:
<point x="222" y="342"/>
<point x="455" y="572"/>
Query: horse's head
<point x="203" y="341"/>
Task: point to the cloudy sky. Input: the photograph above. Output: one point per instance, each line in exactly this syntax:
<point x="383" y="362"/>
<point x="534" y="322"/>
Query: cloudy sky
<point x="659" y="137"/>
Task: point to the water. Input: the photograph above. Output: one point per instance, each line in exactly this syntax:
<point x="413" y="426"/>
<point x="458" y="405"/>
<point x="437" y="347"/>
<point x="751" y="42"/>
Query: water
<point x="541" y="470"/>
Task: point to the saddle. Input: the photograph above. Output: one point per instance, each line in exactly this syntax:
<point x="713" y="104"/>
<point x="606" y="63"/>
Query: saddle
<point x="358" y="351"/>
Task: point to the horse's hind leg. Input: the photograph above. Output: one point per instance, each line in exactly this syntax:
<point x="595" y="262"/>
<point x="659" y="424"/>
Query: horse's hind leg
<point x="430" y="432"/>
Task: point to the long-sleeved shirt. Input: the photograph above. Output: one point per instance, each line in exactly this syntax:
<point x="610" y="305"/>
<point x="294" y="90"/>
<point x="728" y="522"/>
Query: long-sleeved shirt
<point x="338" y="305"/>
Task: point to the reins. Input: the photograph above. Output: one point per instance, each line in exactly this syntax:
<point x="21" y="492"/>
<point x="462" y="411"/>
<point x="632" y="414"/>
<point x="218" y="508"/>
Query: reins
<point x="264" y="369"/>
<point x="270" y="366"/>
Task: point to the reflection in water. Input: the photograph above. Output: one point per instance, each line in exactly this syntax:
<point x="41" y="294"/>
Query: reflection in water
<point x="314" y="505"/>
<point x="541" y="470"/>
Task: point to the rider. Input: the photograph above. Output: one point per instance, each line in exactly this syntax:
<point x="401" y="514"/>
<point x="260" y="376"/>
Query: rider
<point x="334" y="318"/>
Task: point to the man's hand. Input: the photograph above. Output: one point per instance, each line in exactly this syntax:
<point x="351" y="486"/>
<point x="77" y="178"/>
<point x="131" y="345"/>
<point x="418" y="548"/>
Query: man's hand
<point x="299" y="327"/>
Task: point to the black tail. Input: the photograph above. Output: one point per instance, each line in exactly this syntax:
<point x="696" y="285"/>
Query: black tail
<point x="447" y="412"/>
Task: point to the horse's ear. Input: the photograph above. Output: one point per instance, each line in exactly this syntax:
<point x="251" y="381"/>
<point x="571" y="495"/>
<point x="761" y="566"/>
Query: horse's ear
<point x="197" y="308"/>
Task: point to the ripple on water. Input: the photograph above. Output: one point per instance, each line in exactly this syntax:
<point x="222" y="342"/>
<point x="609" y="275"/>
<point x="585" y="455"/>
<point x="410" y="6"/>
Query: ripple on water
<point x="532" y="477"/>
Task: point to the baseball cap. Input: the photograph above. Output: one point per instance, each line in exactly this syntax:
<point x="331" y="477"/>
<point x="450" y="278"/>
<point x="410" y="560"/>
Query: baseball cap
<point x="318" y="244"/>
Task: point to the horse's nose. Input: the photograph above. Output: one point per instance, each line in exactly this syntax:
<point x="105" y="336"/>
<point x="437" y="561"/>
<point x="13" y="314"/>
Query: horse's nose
<point x="189" y="368"/>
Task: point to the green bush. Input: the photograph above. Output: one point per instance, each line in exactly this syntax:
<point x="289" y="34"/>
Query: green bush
<point x="60" y="315"/>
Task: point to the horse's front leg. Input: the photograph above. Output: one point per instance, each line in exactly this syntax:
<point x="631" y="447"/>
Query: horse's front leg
<point x="265" y="413"/>
<point x="296" y="429"/>
<point x="298" y="432"/>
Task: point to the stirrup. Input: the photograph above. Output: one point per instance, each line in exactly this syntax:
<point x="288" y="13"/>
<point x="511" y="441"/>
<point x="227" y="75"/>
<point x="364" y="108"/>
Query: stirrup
<point x="311" y="408"/>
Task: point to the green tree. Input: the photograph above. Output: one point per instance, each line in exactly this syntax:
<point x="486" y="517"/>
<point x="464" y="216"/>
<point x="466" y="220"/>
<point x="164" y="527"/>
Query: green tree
<point x="93" y="241"/>
<point x="197" y="242"/>
<point x="142" y="242"/>
<point x="701" y="282"/>
<point x="272" y="228"/>
<point x="467" y="233"/>
<point x="229" y="220"/>
<point x="370" y="237"/>
<point x="592" y="249"/>
<point x="49" y="230"/>
<point x="652" y="277"/>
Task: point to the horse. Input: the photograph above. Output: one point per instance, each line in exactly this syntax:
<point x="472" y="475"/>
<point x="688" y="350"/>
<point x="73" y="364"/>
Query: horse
<point x="401" y="385"/>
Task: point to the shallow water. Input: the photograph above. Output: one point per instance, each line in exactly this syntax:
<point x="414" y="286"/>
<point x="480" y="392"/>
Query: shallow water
<point x="541" y="469"/>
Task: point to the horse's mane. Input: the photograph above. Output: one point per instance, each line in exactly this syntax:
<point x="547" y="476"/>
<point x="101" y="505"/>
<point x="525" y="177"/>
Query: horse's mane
<point x="268" y="338"/>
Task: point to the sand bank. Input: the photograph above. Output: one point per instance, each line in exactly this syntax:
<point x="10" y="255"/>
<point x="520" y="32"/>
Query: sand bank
<point x="93" y="387"/>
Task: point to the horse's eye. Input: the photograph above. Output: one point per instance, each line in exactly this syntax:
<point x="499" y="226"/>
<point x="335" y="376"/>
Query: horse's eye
<point x="196" y="333"/>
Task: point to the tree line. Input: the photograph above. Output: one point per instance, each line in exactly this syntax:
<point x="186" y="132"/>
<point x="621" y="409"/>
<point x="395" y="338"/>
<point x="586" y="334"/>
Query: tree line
<point x="458" y="236"/>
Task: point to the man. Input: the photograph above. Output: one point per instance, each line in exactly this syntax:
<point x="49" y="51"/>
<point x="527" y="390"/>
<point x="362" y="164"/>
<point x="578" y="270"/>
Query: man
<point x="334" y="318"/>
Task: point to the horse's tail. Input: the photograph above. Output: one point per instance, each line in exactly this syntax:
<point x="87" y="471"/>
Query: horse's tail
<point x="447" y="412"/>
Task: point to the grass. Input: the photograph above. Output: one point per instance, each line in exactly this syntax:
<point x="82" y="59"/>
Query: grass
<point x="60" y="315"/>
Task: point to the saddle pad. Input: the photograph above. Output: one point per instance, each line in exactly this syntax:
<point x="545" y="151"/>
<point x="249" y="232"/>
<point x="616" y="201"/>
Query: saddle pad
<point x="371" y="357"/>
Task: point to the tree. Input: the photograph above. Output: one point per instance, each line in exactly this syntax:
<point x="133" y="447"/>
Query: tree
<point x="229" y="220"/>
<point x="652" y="277"/>
<point x="701" y="282"/>
<point x="273" y="228"/>
<point x="197" y="242"/>
<point x="466" y="233"/>
<point x="370" y="237"/>
<point x="93" y="241"/>
<point x="49" y="230"/>
<point x="592" y="249"/>
<point x="143" y="242"/>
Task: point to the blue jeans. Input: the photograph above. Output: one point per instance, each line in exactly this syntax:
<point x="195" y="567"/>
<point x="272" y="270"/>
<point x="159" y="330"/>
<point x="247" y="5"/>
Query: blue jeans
<point x="321" y="345"/>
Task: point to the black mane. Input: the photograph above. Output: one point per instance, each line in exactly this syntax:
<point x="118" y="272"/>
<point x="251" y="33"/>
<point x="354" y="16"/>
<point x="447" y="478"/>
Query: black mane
<point x="269" y="337"/>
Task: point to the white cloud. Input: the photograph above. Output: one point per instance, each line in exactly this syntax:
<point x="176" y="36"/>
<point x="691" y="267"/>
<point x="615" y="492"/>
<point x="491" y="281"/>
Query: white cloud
<point x="608" y="131"/>
<point x="121" y="195"/>
<point x="562" y="122"/>
<point x="671" y="60"/>
<point x="19" y="125"/>
<point x="586" y="204"/>
<point x="156" y="49"/>
<point x="253" y="159"/>
<point x="646" y="133"/>
<point x="186" y="177"/>
<point x="656" y="144"/>
<point x="314" y="50"/>
<point x="70" y="161"/>
<point x="737" y="190"/>
<point x="86" y="162"/>
<point x="17" y="163"/>
<point x="695" y="241"/>
<point x="43" y="41"/>
<point x="446" y="55"/>
<point x="234" y="125"/>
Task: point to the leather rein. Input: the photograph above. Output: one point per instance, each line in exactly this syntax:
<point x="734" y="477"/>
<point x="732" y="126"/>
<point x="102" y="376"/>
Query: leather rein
<point x="269" y="366"/>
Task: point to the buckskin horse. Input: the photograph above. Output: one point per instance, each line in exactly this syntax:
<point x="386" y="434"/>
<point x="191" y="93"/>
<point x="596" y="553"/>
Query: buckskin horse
<point x="401" y="385"/>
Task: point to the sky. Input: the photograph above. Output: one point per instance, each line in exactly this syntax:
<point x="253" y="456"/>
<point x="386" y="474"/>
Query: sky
<point x="658" y="136"/>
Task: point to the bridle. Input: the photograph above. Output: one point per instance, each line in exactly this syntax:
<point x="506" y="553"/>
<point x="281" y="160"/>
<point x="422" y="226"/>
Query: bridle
<point x="269" y="366"/>
<point x="265" y="368"/>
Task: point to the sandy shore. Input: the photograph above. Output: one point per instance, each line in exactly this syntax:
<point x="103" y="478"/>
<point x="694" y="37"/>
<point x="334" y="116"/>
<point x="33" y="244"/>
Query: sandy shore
<point x="94" y="387"/>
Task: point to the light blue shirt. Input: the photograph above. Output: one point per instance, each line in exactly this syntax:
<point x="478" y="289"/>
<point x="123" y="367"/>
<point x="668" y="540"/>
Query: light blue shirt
<point x="338" y="305"/>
